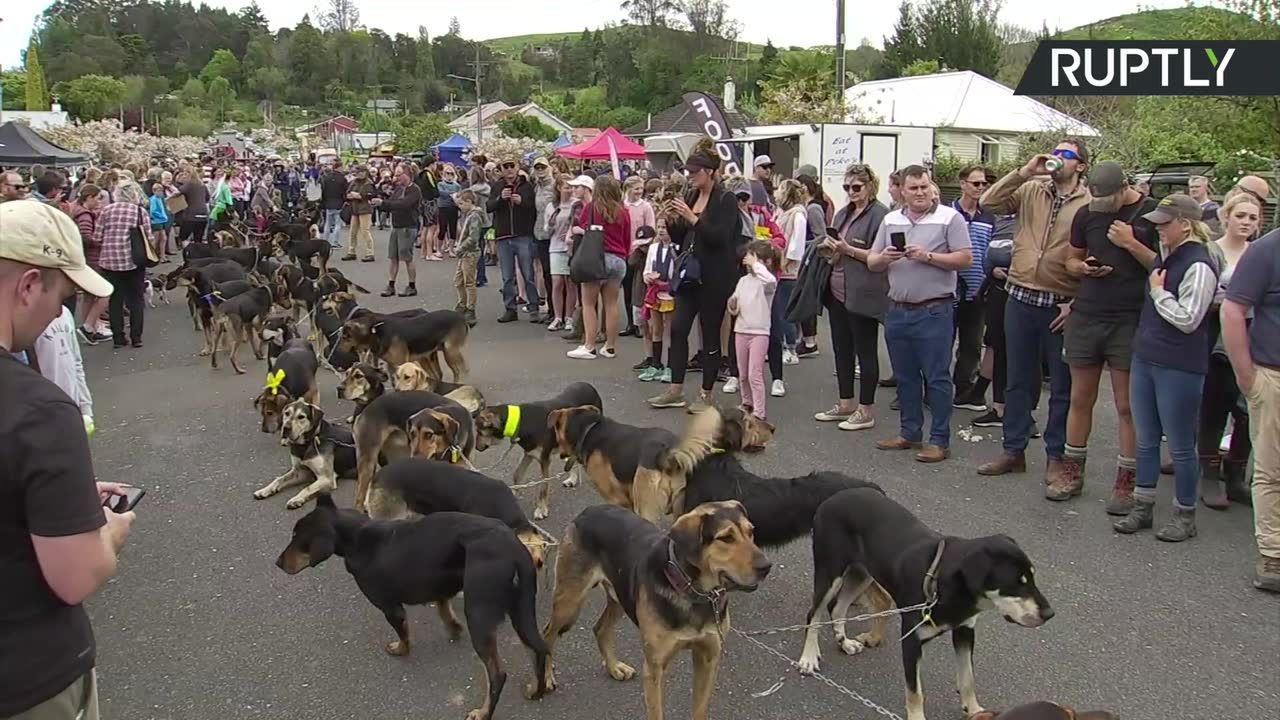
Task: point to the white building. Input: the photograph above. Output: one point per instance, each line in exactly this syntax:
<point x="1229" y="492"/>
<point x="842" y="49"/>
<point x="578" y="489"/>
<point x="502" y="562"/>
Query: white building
<point x="38" y="119"/>
<point x="491" y="113"/>
<point x="975" y="118"/>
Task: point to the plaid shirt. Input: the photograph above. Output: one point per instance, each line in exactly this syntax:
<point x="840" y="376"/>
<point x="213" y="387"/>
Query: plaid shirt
<point x="112" y="235"/>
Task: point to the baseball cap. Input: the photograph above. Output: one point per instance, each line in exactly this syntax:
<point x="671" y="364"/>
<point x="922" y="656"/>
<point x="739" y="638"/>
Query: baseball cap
<point x="1106" y="178"/>
<point x="1174" y="207"/>
<point x="762" y="161"/>
<point x="807" y="171"/>
<point x="646" y="232"/>
<point x="738" y="185"/>
<point x="582" y="181"/>
<point x="33" y="233"/>
<point x="540" y="162"/>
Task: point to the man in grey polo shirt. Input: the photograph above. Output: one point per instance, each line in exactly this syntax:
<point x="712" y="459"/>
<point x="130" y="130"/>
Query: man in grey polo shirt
<point x="920" y="326"/>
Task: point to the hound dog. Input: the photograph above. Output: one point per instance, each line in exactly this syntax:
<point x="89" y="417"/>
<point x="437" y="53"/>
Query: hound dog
<point x="310" y="253"/>
<point x="396" y="339"/>
<point x="412" y="376"/>
<point x="673" y="585"/>
<point x="425" y="486"/>
<point x="241" y="317"/>
<point x="320" y="453"/>
<point x="862" y="539"/>
<point x="203" y="292"/>
<point x="290" y="377"/>
<point x="527" y="425"/>
<point x="331" y="315"/>
<point x="277" y="331"/>
<point x="1043" y="711"/>
<point x="362" y="384"/>
<point x="432" y="559"/>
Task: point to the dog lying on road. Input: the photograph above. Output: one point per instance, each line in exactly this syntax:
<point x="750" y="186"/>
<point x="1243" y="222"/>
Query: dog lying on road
<point x="1043" y="711"/>
<point x="320" y="453"/>
<point x="672" y="585"/>
<point x="526" y="425"/>
<point x="864" y="540"/>
<point x="432" y="559"/>
<point x="290" y="377"/>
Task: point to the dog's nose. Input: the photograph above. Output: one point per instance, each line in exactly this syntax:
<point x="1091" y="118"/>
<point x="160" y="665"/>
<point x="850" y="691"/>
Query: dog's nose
<point x="762" y="567"/>
<point x="1046" y="613"/>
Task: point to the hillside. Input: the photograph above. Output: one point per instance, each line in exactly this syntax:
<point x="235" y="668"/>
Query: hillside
<point x="1173" y="24"/>
<point x="513" y="46"/>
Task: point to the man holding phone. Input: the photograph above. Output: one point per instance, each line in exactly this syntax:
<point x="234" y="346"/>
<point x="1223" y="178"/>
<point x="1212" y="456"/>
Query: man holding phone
<point x="513" y="207"/>
<point x="922" y="246"/>
<point x="58" y="544"/>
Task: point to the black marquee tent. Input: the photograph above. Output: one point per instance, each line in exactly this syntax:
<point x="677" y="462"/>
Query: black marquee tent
<point x="20" y="145"/>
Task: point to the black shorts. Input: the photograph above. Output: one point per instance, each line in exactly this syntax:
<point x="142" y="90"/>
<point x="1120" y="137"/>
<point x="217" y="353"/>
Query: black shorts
<point x="1091" y="342"/>
<point x="993" y="310"/>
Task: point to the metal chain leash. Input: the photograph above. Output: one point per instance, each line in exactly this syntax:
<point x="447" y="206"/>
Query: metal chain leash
<point x="920" y="607"/>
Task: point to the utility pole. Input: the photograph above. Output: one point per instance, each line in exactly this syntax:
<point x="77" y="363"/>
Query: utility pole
<point x="840" y="48"/>
<point x="477" y="67"/>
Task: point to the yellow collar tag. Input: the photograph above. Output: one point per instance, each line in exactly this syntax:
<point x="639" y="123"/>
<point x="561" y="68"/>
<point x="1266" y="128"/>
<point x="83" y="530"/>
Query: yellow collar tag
<point x="454" y="455"/>
<point x="273" y="381"/>
<point x="513" y="421"/>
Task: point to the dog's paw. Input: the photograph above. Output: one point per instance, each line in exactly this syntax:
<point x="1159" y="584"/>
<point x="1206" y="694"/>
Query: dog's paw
<point x="398" y="648"/>
<point x="851" y="646"/>
<point x="296" y="502"/>
<point x="621" y="671"/>
<point x="478" y="714"/>
<point x="541" y="512"/>
<point x="265" y="492"/>
<point x="868" y="640"/>
<point x="971" y="711"/>
<point x="809" y="664"/>
<point x="204" y="352"/>
<point x="572" y="480"/>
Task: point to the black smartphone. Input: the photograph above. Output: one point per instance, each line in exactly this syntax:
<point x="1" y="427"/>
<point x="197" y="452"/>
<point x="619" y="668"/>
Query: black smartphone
<point x="126" y="502"/>
<point x="833" y="233"/>
<point x="898" y="240"/>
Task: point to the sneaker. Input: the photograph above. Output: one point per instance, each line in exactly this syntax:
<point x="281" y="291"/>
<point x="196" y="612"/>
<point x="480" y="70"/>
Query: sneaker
<point x="1035" y="429"/>
<point x="695" y="363"/>
<point x="779" y="389"/>
<point x="408" y="291"/>
<point x="349" y="256"/>
<point x="390" y="291"/>
<point x="835" y="414"/>
<point x="789" y="357"/>
<point x="807" y="351"/>
<point x="556" y="324"/>
<point x="369" y="259"/>
<point x="990" y="418"/>
<point x="508" y="316"/>
<point x="582" y="353"/>
<point x="723" y="375"/>
<point x="730" y="386"/>
<point x="644" y="364"/>
<point x="568" y="326"/>
<point x="668" y="399"/>
<point x="649" y="374"/>
<point x="968" y="402"/>
<point x="88" y="337"/>
<point x="535" y="318"/>
<point x="1266" y="574"/>
<point x="664" y="377"/>
<point x="858" y="421"/>
<point x="608" y="353"/>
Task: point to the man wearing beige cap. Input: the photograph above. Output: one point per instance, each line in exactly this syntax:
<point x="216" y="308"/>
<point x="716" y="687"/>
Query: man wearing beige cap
<point x="58" y="545"/>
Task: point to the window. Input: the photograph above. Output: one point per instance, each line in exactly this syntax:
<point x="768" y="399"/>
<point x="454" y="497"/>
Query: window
<point x="988" y="150"/>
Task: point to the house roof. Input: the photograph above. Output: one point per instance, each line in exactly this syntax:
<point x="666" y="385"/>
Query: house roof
<point x="345" y="121"/>
<point x="962" y="99"/>
<point x="468" y="119"/>
<point x="680" y="119"/>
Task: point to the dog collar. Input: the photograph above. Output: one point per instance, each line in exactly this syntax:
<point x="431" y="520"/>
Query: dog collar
<point x="680" y="581"/>
<point x="512" y="425"/>
<point x="931" y="584"/>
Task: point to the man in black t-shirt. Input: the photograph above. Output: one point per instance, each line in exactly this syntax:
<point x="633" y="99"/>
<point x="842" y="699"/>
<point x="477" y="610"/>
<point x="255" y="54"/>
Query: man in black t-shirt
<point x="1112" y="251"/>
<point x="58" y="545"/>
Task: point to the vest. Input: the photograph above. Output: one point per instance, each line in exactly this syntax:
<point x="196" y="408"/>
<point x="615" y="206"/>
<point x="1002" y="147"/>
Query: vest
<point x="1160" y="343"/>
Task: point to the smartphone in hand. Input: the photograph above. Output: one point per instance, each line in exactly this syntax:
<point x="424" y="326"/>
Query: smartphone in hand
<point x="898" y="240"/>
<point x="126" y="502"/>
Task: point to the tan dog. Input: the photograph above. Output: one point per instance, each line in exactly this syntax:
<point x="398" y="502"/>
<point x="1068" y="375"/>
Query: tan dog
<point x="1043" y="711"/>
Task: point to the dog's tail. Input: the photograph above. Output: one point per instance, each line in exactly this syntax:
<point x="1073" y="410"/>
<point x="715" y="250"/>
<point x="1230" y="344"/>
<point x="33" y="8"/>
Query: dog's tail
<point x="524" y="612"/>
<point x="698" y="442"/>
<point x="313" y="232"/>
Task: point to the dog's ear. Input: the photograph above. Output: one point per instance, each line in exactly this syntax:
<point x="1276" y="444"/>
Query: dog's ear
<point x="974" y="568"/>
<point x="450" y="426"/>
<point x="732" y="433"/>
<point x="375" y="376"/>
<point x="688" y="535"/>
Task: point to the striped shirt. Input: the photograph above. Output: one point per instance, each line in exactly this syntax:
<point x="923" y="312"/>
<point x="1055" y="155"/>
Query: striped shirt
<point x="981" y="225"/>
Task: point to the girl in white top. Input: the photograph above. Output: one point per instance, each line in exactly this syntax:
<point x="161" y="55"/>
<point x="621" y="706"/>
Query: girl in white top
<point x="752" y="305"/>
<point x="793" y="220"/>
<point x="558" y="219"/>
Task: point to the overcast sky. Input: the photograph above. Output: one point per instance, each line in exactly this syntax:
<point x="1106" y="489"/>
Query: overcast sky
<point x="785" y="22"/>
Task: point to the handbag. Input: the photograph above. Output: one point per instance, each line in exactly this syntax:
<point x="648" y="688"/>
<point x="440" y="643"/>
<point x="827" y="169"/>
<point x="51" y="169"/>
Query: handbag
<point x="345" y="213"/>
<point x="140" y="251"/>
<point x="586" y="263"/>
<point x="688" y="271"/>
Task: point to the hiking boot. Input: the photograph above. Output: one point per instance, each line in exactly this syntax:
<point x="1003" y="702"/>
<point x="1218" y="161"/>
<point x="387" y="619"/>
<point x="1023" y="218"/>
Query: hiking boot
<point x="349" y="256"/>
<point x="933" y="453"/>
<point x="389" y="292"/>
<point x="1066" y="479"/>
<point x="1182" y="526"/>
<point x="897" y="443"/>
<point x="1007" y="463"/>
<point x="670" y="398"/>
<point x="470" y="315"/>
<point x="1139" y="518"/>
<point x="508" y="316"/>
<point x="1121" y="502"/>
<point x="1211" y="492"/>
<point x="409" y="290"/>
<point x="1266" y="574"/>
<point x="1237" y="483"/>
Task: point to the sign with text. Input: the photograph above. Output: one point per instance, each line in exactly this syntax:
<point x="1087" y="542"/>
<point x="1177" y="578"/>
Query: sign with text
<point x="1153" y="67"/>
<point x="717" y="128"/>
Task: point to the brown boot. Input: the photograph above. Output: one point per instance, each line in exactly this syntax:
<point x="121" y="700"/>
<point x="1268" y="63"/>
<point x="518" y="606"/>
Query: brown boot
<point x="1121" y="501"/>
<point x="1211" y="492"/>
<point x="933" y="453"/>
<point x="897" y="443"/>
<point x="1007" y="463"/>
<point x="1066" y="478"/>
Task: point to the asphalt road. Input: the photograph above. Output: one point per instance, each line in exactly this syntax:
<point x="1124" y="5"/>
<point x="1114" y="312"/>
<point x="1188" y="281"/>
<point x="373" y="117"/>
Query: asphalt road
<point x="199" y="623"/>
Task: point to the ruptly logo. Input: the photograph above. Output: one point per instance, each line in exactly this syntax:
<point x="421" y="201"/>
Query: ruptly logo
<point x="1156" y="67"/>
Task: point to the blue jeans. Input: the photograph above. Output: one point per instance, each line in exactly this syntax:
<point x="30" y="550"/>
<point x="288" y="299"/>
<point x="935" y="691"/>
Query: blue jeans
<point x="782" y="334"/>
<point x="1166" y="402"/>
<point x="509" y="250"/>
<point x="920" y="348"/>
<point x="1029" y="343"/>
<point x="482" y="278"/>
<point x="333" y="227"/>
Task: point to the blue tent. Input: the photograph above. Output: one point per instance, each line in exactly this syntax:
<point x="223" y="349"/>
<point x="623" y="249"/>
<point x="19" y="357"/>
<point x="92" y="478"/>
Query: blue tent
<point x="563" y="141"/>
<point x="450" y="151"/>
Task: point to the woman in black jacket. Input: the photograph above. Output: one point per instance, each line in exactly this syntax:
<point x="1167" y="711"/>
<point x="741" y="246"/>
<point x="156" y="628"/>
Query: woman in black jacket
<point x="705" y="224"/>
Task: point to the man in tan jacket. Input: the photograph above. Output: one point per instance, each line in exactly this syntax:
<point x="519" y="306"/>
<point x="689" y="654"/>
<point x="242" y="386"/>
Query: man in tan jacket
<point x="1045" y="195"/>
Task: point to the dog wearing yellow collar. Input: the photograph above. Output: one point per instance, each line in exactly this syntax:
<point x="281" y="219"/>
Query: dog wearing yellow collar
<point x="526" y="425"/>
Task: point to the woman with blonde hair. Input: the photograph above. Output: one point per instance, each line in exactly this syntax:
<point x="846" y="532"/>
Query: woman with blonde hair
<point x="1170" y="360"/>
<point x="564" y="293"/>
<point x="793" y="219"/>
<point x="606" y="213"/>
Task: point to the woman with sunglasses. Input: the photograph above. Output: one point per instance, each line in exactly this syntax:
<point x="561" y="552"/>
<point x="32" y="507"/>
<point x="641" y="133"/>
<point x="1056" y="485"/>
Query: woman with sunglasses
<point x="704" y="224"/>
<point x="857" y="300"/>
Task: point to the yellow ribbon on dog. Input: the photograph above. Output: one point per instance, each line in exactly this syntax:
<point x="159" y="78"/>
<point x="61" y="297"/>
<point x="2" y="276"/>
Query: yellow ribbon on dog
<point x="273" y="381"/>
<point x="513" y="421"/>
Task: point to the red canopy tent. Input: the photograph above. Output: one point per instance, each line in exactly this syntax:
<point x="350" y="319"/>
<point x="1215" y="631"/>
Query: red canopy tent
<point x="597" y="148"/>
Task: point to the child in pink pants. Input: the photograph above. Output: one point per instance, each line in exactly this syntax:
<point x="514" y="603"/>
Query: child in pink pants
<point x="750" y="303"/>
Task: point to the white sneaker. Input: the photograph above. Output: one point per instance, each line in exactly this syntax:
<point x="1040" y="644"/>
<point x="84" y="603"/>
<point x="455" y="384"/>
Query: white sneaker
<point x="778" y="389"/>
<point x="608" y="353"/>
<point x="858" y="421"/>
<point x="730" y="386"/>
<point x="556" y="324"/>
<point x="789" y="357"/>
<point x="568" y="326"/>
<point x="582" y="353"/>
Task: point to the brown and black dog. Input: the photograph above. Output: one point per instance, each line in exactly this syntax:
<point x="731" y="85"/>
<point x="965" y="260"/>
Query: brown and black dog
<point x="412" y="376"/>
<point x="644" y="469"/>
<point x="241" y="318"/>
<point x="673" y="585"/>
<point x="1044" y="711"/>
<point x="361" y="384"/>
<point x="291" y="376"/>
<point x="396" y="339"/>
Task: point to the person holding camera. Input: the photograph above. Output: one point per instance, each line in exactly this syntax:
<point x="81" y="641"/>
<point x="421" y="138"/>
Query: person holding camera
<point x="512" y="203"/>
<point x="58" y="544"/>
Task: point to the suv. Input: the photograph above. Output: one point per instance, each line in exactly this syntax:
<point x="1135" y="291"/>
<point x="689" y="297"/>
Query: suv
<point x="1171" y="177"/>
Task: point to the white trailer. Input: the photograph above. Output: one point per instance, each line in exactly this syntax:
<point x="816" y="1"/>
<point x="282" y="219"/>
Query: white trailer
<point x="832" y="147"/>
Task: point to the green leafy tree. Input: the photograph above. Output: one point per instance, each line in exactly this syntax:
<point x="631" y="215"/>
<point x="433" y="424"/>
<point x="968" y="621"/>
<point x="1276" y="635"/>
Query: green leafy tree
<point x="223" y="64"/>
<point x="92" y="97"/>
<point x="192" y="92"/>
<point x="920" y="67"/>
<point x="252" y="19"/>
<point x="259" y="53"/>
<point x="37" y="94"/>
<point x="418" y="132"/>
<point x="13" y="85"/>
<point x="962" y="35"/>
<point x="905" y="46"/>
<point x="221" y="93"/>
<point x="341" y="16"/>
<point x="527" y="126"/>
<point x="812" y="70"/>
<point x="308" y="66"/>
<point x="654" y="13"/>
<point x="268" y="83"/>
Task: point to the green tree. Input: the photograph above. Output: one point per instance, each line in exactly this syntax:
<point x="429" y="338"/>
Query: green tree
<point x="259" y="53"/>
<point x="418" y="132"/>
<point x="527" y="126"/>
<point x="809" y="69"/>
<point x="308" y="66"/>
<point x="920" y="67"/>
<point x="905" y="46"/>
<point x="91" y="97"/>
<point x="341" y="16"/>
<point x="962" y="35"/>
<point x="192" y="92"/>
<point x="13" y="86"/>
<point x="223" y="64"/>
<point x="654" y="13"/>
<point x="220" y="93"/>
<point x="252" y="19"/>
<point x="268" y="83"/>
<point x="36" y="92"/>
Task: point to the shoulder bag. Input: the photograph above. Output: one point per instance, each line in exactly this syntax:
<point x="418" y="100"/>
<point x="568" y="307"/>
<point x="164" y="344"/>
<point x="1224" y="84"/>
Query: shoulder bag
<point x="140" y="251"/>
<point x="586" y="263"/>
<point x="688" y="266"/>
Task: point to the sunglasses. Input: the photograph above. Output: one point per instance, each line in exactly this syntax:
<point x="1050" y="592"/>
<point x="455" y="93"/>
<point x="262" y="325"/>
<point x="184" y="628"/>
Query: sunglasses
<point x="853" y="187"/>
<point x="980" y="183"/>
<point x="1067" y="154"/>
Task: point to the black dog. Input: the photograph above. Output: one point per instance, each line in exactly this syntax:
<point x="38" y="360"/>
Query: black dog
<point x="290" y="375"/>
<point x="865" y="542"/>
<point x="526" y="425"/>
<point x="426" y="486"/>
<point x="303" y="251"/>
<point x="277" y="331"/>
<point x="319" y="452"/>
<point x="432" y="559"/>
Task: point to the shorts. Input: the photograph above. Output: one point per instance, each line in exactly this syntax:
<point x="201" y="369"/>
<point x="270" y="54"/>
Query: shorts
<point x="1090" y="342"/>
<point x="400" y="244"/>
<point x="560" y="263"/>
<point x="78" y="701"/>
<point x="615" y="267"/>
<point x="159" y="227"/>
